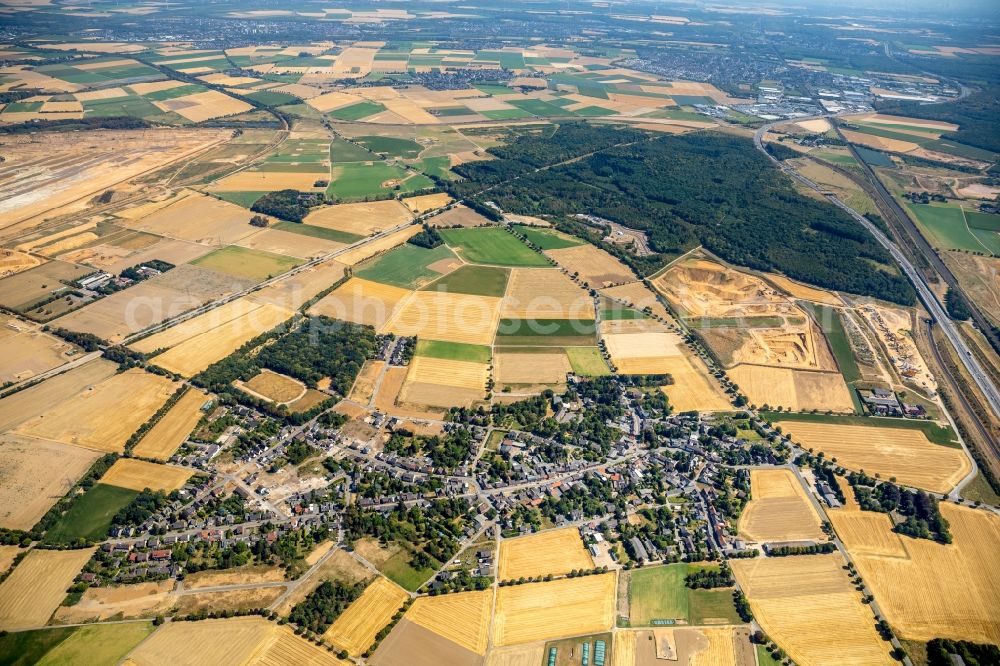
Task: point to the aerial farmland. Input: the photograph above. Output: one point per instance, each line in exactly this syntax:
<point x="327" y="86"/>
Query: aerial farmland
<point x="533" y="334"/>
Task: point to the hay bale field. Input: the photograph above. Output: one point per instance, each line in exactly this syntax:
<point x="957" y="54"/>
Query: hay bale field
<point x="32" y="401"/>
<point x="197" y="353"/>
<point x="594" y="266"/>
<point x="362" y="219"/>
<point x="551" y="552"/>
<point x="37" y="586"/>
<point x="446" y="316"/>
<point x="904" y="453"/>
<point x="798" y="390"/>
<point x="539" y="293"/>
<point x="357" y="626"/>
<point x="949" y="590"/>
<point x="799" y="600"/>
<point x="779" y="509"/>
<point x="29" y="481"/>
<point x="139" y="474"/>
<point x="463" y="618"/>
<point x="564" y="607"/>
<point x="362" y="302"/>
<point x="531" y="368"/>
<point x="94" y="418"/>
<point x="172" y="429"/>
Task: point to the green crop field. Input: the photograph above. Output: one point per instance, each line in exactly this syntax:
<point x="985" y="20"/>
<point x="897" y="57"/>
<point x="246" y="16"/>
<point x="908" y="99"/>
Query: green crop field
<point x="357" y="111"/>
<point x="710" y="606"/>
<point x="245" y="199"/>
<point x="829" y="320"/>
<point x="611" y="313"/>
<point x="547" y="239"/>
<point x="492" y="246"/>
<point x="399" y="570"/>
<point x="547" y="332"/>
<point x="506" y="114"/>
<point x="945" y="227"/>
<point x="317" y="232"/>
<point x="453" y="351"/>
<point x="99" y="645"/>
<point x="937" y="434"/>
<point x="439" y="167"/>
<point x="658" y="593"/>
<point x="344" y="151"/>
<point x="537" y="107"/>
<point x="244" y="262"/>
<point x="406" y="266"/>
<point x="269" y="98"/>
<point x="391" y="146"/>
<point x="353" y="181"/>
<point x="983" y="221"/>
<point x="587" y="361"/>
<point x="90" y="516"/>
<point x="23" y="648"/>
<point x="475" y="280"/>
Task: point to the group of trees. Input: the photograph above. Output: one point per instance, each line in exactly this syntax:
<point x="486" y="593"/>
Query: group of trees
<point x="324" y="605"/>
<point x="956" y="305"/>
<point x="815" y="549"/>
<point x="711" y="189"/>
<point x="145" y="504"/>
<point x="711" y="578"/>
<point x="428" y="238"/>
<point x="922" y="515"/>
<point x="288" y="205"/>
<point x="447" y="452"/>
<point x="939" y="651"/>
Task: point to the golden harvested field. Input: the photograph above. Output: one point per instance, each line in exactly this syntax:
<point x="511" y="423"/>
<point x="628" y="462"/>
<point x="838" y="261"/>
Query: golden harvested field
<point x="287" y="649"/>
<point x="779" y="509"/>
<point x="900" y="452"/>
<point x="194" y="217"/>
<point x="693" y="388"/>
<point x="139" y="474"/>
<point x="880" y="143"/>
<point x="204" y="106"/>
<point x="446" y="316"/>
<point x="274" y="387"/>
<point x="357" y="626"/>
<point x="543" y="293"/>
<point x="530" y="655"/>
<point x="803" y="291"/>
<point x="420" y="399"/>
<point x="799" y="390"/>
<point x="359" y="254"/>
<point x="37" y="586"/>
<point x="290" y="244"/>
<point x="564" y="607"/>
<point x="195" y="326"/>
<point x="551" y="552"/>
<point x="446" y="372"/>
<point x="363" y="218"/>
<point x="29" y="481"/>
<point x="172" y="429"/>
<point x="595" y="266"/>
<point x="362" y="302"/>
<point x="208" y="643"/>
<point x="364" y="384"/>
<point x="94" y="419"/>
<point x="638" y="296"/>
<point x="512" y="368"/>
<point x="808" y="606"/>
<point x="26" y="351"/>
<point x="425" y="202"/>
<point x="338" y="566"/>
<point x="266" y="181"/>
<point x="197" y="353"/>
<point x="246" y="575"/>
<point x="32" y="401"/>
<point x="950" y="590"/>
<point x="458" y="216"/>
<point x="463" y="618"/>
<point x="7" y="555"/>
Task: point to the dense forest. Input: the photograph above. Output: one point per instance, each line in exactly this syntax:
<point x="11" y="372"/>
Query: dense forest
<point x="710" y="189"/>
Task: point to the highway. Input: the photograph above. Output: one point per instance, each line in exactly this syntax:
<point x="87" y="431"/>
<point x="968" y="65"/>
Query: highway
<point x="970" y="362"/>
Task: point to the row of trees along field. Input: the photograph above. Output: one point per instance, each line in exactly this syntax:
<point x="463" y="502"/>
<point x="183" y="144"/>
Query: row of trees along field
<point x="706" y="188"/>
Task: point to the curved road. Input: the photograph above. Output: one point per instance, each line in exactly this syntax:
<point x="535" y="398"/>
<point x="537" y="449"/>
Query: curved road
<point x="971" y="363"/>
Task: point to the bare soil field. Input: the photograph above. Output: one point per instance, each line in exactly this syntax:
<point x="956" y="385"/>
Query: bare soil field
<point x="904" y="453"/>
<point x="419" y="399"/>
<point x="67" y="170"/>
<point x="693" y="388"/>
<point x="29" y="481"/>
<point x="447" y="316"/>
<point x="779" y="509"/>
<point x="798" y="599"/>
<point x="250" y="575"/>
<point x="93" y="419"/>
<point x="413" y="645"/>
<point x="463" y="618"/>
<point x="198" y="218"/>
<point x="894" y="329"/>
<point x="197" y="353"/>
<point x="288" y="244"/>
<point x="364" y="384"/>
<point x="513" y="368"/>
<point x="798" y="390"/>
<point x="125" y="601"/>
<point x="357" y="626"/>
<point x="950" y="590"/>
<point x="26" y="351"/>
<point x="426" y="202"/>
<point x="805" y="292"/>
<point x="541" y="293"/>
<point x="595" y="266"/>
<point x="237" y="599"/>
<point x="172" y="429"/>
<point x="459" y="216"/>
<point x="564" y="607"/>
<point x="37" y="586"/>
<point x="362" y="302"/>
<point x="550" y="552"/>
<point x="32" y="401"/>
<point x="363" y="219"/>
<point x="205" y="106"/>
<point x="273" y="387"/>
<point x="139" y="475"/>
